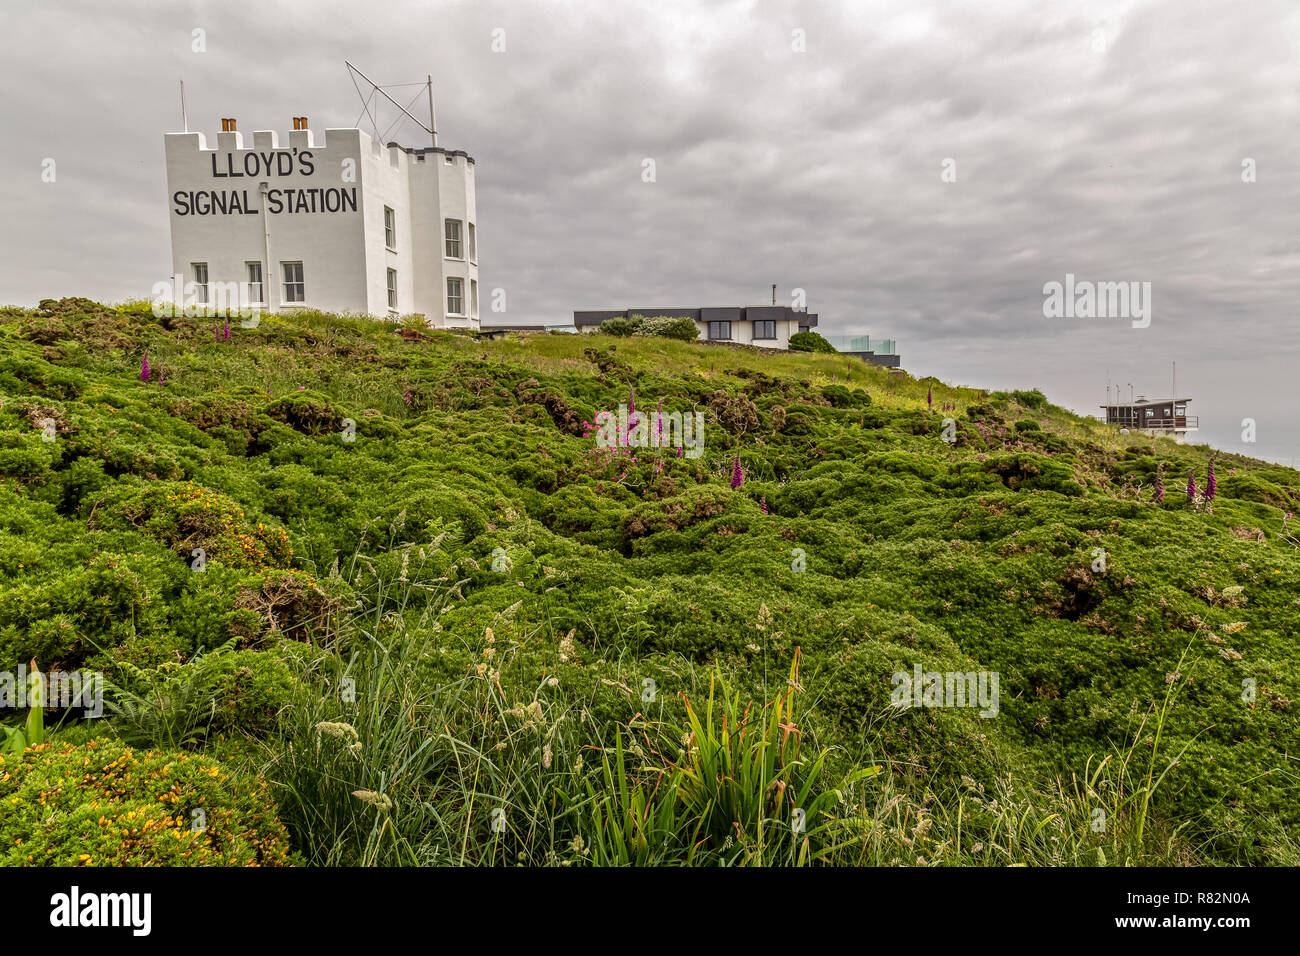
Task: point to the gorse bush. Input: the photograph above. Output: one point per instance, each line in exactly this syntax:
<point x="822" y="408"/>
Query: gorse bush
<point x="371" y="506"/>
<point x="103" y="804"/>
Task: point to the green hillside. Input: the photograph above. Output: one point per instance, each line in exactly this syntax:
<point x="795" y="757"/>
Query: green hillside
<point x="434" y="623"/>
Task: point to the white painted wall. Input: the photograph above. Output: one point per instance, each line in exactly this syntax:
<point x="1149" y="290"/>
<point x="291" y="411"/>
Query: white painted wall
<point x="743" y="333"/>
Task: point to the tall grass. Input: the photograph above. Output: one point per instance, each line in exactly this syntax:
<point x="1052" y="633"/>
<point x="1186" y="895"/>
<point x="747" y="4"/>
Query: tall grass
<point x="376" y="764"/>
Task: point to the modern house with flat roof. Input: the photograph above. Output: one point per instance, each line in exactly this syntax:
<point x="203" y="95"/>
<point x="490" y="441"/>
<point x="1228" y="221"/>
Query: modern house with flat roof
<point x="762" y="326"/>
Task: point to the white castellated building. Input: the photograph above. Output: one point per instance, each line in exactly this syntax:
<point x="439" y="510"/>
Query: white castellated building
<point x="342" y="225"/>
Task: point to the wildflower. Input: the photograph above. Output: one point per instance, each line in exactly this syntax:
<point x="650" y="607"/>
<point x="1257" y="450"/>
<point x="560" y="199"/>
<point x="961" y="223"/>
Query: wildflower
<point x="631" y="401"/>
<point x="1211" y="485"/>
<point x="546" y="757"/>
<point x="579" y="845"/>
<point x="1191" y="487"/>
<point x="1159" y="493"/>
<point x="566" y="646"/>
<point x="762" y="504"/>
<point x="225" y="331"/>
<point x="737" y="473"/>
<point x="144" y="368"/>
<point x="929" y="397"/>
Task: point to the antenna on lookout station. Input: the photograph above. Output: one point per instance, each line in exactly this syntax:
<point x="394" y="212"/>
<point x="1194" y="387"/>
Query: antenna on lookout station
<point x="426" y="86"/>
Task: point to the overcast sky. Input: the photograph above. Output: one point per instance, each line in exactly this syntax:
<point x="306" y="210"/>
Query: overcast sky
<point x="797" y="143"/>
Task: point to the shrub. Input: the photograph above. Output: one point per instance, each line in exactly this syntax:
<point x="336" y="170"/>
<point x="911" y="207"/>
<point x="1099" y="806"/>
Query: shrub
<point x="174" y="705"/>
<point x="809" y="342"/>
<point x="839" y="396"/>
<point x="1028" y="426"/>
<point x="1031" y="399"/>
<point x="186" y="517"/>
<point x="104" y="804"/>
<point x="665" y="326"/>
<point x="619" y="327"/>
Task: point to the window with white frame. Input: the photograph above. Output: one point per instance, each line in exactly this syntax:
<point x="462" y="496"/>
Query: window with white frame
<point x="453" y="239"/>
<point x="200" y="282"/>
<point x="473" y="244"/>
<point x="455" y="296"/>
<point x="392" y="290"/>
<point x="255" y="293"/>
<point x="390" y="228"/>
<point x="295" y="289"/>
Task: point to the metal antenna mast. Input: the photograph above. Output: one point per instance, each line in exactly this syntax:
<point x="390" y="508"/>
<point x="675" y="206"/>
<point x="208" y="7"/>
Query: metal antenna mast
<point x="431" y="128"/>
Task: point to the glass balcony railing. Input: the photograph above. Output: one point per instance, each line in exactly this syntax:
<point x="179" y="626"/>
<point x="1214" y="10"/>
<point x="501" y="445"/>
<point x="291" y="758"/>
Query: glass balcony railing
<point x="862" y="343"/>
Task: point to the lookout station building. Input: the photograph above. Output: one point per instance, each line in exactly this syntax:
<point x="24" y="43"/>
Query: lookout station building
<point x="1166" y="416"/>
<point x="343" y="224"/>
